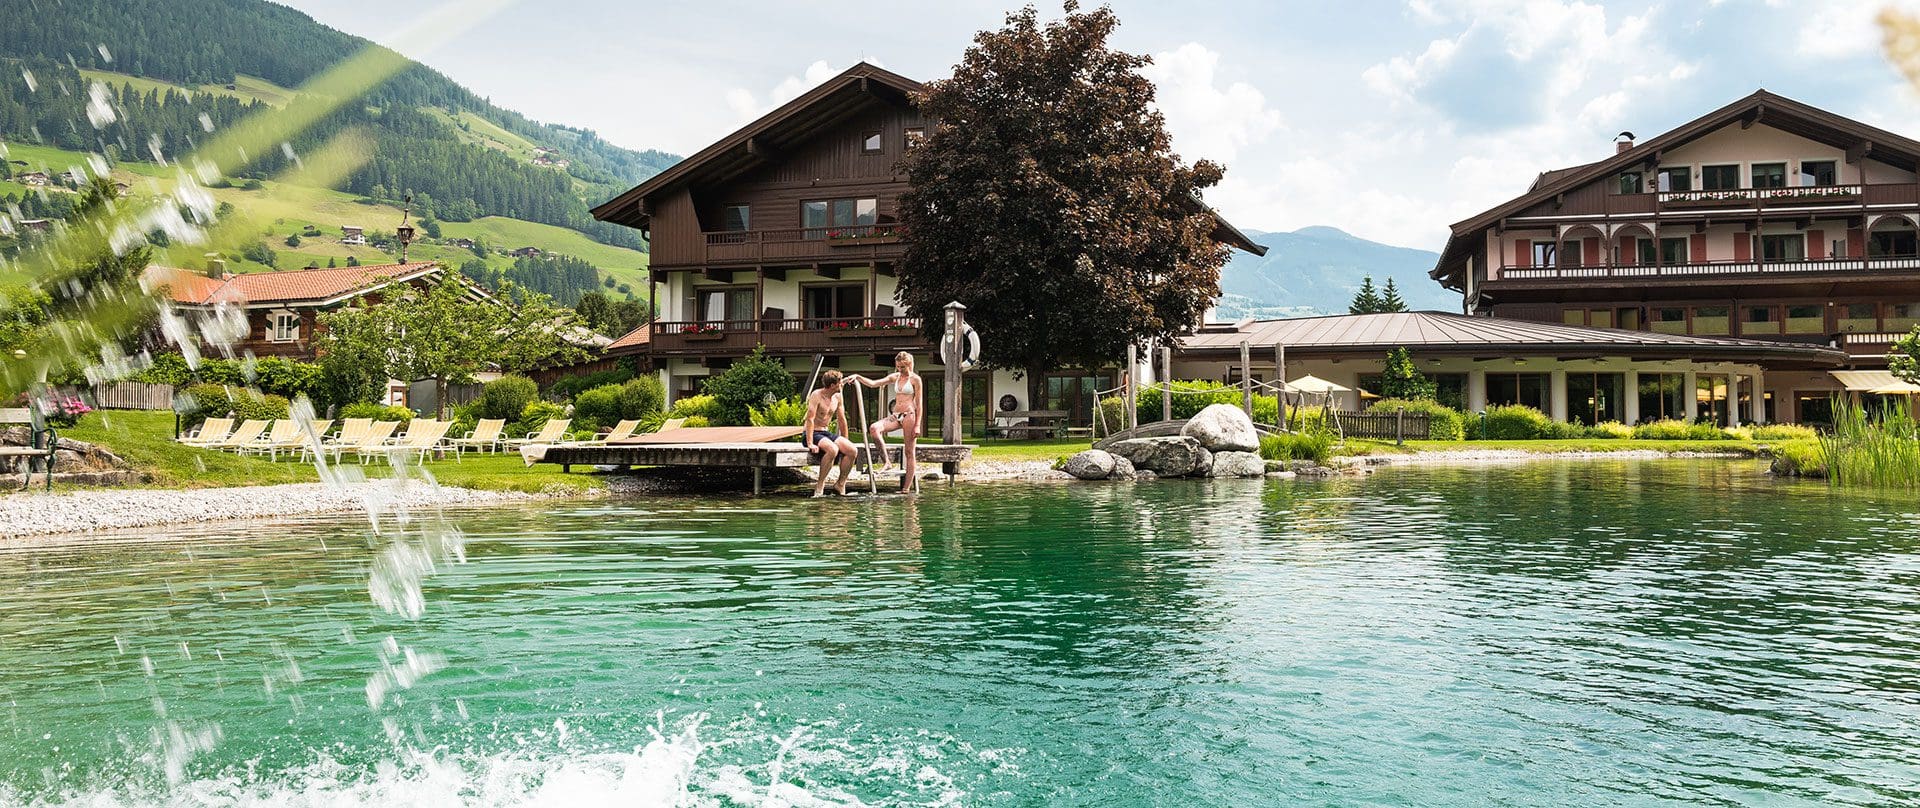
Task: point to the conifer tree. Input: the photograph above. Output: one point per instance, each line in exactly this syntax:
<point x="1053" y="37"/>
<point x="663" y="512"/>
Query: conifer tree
<point x="1390" y="300"/>
<point x="1367" y="300"/>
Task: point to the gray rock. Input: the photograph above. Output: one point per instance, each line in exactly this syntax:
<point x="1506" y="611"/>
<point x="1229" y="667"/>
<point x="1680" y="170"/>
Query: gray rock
<point x="1298" y="466"/>
<point x="1122" y="469"/>
<point x="1276" y="465"/>
<point x="1223" y="428"/>
<point x="1144" y="474"/>
<point x="1237" y="464"/>
<point x="1282" y="475"/>
<point x="1091" y="464"/>
<point x="1173" y="456"/>
<point x="1205" y="466"/>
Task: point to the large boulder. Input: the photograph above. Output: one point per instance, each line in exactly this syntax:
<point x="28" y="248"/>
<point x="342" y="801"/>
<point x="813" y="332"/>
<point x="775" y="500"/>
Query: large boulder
<point x="1205" y="466"/>
<point x="1237" y="464"/>
<point x="1091" y="464"/>
<point x="1223" y="428"/>
<point x="1122" y="469"/>
<point x="1172" y="456"/>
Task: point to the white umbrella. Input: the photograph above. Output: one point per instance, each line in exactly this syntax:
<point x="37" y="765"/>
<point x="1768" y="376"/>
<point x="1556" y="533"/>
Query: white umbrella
<point x="1315" y="384"/>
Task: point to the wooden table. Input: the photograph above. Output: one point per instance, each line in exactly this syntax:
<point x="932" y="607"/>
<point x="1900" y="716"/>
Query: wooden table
<point x="1037" y="423"/>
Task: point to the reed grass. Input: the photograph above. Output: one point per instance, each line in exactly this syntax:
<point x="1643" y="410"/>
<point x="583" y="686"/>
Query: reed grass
<point x="1873" y="450"/>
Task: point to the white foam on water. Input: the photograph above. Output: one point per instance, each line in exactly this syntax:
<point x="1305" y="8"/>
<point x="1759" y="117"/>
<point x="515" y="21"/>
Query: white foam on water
<point x="666" y="771"/>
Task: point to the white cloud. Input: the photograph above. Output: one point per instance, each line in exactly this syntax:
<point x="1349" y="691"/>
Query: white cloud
<point x="746" y="105"/>
<point x="1206" y="120"/>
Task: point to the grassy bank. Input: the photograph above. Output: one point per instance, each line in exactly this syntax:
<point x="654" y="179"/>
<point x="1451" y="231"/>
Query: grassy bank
<point x="145" y="439"/>
<point x="1556" y="446"/>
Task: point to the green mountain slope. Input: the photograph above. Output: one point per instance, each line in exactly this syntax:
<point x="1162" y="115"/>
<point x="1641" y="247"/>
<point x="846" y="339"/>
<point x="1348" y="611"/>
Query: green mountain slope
<point x="1316" y="270"/>
<point x="172" y="70"/>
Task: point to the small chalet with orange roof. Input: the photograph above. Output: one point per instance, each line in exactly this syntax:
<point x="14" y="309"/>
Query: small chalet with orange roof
<point x="283" y="308"/>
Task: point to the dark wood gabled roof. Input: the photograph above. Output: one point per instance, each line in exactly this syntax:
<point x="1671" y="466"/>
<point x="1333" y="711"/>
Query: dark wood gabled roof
<point x="792" y="124"/>
<point x="761" y="141"/>
<point x="1862" y="141"/>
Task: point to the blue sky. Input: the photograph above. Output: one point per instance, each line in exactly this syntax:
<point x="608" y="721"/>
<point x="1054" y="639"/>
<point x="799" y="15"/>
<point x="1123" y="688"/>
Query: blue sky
<point x="1386" y="119"/>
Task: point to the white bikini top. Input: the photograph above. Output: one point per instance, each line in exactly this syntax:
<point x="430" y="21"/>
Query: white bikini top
<point x="906" y="385"/>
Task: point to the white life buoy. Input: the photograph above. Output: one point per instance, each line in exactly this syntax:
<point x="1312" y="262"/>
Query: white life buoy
<point x="971" y="354"/>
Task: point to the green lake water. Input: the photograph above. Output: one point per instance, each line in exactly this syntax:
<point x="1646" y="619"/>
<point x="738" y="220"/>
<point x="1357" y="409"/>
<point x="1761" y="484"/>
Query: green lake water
<point x="1595" y="633"/>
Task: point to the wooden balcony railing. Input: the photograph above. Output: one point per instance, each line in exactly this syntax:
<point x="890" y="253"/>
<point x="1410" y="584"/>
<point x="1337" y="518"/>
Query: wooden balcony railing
<point x="852" y="242"/>
<point x="1881" y="263"/>
<point x="1793" y="197"/>
<point x="789" y="335"/>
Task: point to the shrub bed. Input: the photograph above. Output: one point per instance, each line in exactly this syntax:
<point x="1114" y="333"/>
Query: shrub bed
<point x="1443" y="422"/>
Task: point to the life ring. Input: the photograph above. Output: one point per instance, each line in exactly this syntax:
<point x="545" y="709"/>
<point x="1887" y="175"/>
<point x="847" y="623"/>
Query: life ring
<point x="971" y="355"/>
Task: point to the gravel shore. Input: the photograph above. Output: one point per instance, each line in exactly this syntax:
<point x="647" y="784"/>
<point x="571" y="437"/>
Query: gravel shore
<point x="34" y="513"/>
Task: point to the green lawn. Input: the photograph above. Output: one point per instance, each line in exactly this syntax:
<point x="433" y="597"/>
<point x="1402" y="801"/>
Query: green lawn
<point x="1047" y="450"/>
<point x="1596" y="445"/>
<point x="145" y="439"/>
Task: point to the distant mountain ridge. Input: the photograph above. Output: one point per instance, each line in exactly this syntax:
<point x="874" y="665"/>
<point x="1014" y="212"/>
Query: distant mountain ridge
<point x="1316" y="270"/>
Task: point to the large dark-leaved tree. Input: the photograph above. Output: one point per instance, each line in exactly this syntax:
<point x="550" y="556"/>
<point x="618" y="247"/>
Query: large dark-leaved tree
<point x="1047" y="199"/>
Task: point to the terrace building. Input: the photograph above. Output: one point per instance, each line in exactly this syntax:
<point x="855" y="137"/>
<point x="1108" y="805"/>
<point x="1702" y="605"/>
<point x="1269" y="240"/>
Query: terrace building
<point x="786" y="234"/>
<point x="1765" y="220"/>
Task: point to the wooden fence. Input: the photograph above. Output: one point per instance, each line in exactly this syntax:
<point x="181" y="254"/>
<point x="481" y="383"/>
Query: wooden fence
<point x="1396" y="425"/>
<point x="132" y="396"/>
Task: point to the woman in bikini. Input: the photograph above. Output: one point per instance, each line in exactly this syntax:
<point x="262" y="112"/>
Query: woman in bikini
<point x="907" y="415"/>
<point x="824" y="408"/>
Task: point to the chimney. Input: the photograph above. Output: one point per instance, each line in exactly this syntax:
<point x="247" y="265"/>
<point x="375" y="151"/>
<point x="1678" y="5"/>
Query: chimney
<point x="1622" y="142"/>
<point x="216" y="266"/>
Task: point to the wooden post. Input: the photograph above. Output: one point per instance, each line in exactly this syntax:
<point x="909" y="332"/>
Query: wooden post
<point x="1166" y="383"/>
<point x="1399" y="427"/>
<point x="956" y="351"/>
<point x="1280" y="378"/>
<point x="1133" y="389"/>
<point x="1246" y="377"/>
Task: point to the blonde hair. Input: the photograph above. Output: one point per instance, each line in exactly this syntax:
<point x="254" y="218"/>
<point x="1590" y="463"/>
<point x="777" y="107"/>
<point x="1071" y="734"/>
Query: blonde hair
<point x="903" y="356"/>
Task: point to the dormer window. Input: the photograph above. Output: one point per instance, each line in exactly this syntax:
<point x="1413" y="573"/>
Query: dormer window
<point x="283" y="326"/>
<point x="871" y="142"/>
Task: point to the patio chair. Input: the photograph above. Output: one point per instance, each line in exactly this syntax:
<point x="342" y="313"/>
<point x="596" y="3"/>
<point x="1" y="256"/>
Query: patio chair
<point x="375" y="439"/>
<point x="212" y="430"/>
<point x="552" y="432"/>
<point x="295" y="439"/>
<point x="620" y="431"/>
<point x="485" y="437"/>
<point x="351" y="431"/>
<point x="280" y="430"/>
<point x="422" y="436"/>
<point x="670" y="425"/>
<point x="248" y="432"/>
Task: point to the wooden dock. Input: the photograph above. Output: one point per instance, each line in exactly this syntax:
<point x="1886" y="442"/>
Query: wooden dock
<point x="757" y="457"/>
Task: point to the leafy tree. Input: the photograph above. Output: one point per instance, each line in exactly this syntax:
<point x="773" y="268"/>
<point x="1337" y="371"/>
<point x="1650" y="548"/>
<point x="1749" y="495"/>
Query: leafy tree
<point x="430" y="226"/>
<point x="331" y="264"/>
<point x="1904" y="358"/>
<point x="259" y="253"/>
<point x="1390" y="300"/>
<point x="1400" y="379"/>
<point x="1367" y="300"/>
<point x="63" y="307"/>
<point x="353" y="261"/>
<point x="293" y="239"/>
<point x="1049" y="201"/>
<point x="445" y="335"/>
<point x="751" y="382"/>
<point x="611" y="317"/>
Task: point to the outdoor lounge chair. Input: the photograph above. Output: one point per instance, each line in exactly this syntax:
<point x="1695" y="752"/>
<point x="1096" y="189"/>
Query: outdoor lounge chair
<point x="422" y="436"/>
<point x="670" y="424"/>
<point x="292" y="438"/>
<point x="213" y="430"/>
<point x="485" y="437"/>
<point x="278" y="431"/>
<point x="351" y="431"/>
<point x="375" y="439"/>
<point x="249" y="431"/>
<point x="552" y="432"/>
<point x="620" y="431"/>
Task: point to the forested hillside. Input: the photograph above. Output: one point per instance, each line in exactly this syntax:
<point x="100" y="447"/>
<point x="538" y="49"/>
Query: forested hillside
<point x="44" y="99"/>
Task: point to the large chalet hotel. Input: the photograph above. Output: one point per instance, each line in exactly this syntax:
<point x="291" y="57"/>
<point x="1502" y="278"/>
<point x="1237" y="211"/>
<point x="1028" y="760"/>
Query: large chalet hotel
<point x="785" y="234"/>
<point x="1764" y="220"/>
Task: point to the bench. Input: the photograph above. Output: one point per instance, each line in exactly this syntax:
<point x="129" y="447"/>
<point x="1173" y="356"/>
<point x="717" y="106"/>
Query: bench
<point x="1031" y="423"/>
<point x="41" y="440"/>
